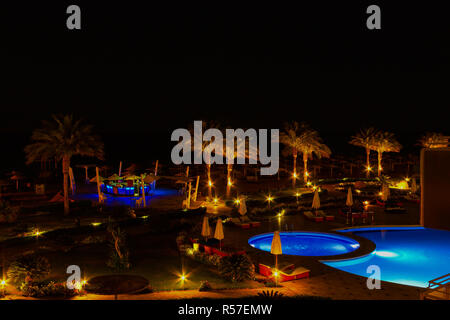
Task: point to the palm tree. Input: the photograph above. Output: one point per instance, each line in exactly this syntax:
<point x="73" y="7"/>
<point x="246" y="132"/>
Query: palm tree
<point x="433" y="140"/>
<point x="365" y="138"/>
<point x="250" y="152"/>
<point x="291" y="138"/>
<point x="63" y="138"/>
<point x="385" y="142"/>
<point x="200" y="146"/>
<point x="311" y="143"/>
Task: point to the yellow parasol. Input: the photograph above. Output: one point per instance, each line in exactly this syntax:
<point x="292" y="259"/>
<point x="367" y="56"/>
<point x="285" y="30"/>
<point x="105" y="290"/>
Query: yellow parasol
<point x="316" y="200"/>
<point x="218" y="234"/>
<point x="206" y="230"/>
<point x="276" y="250"/>
<point x="242" y="206"/>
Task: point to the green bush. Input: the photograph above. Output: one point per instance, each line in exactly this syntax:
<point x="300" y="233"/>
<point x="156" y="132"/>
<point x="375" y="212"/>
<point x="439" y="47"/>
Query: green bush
<point x="28" y="268"/>
<point x="236" y="268"/>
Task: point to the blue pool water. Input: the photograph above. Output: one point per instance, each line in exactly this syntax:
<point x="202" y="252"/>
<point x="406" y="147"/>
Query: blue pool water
<point x="307" y="243"/>
<point x="409" y="256"/>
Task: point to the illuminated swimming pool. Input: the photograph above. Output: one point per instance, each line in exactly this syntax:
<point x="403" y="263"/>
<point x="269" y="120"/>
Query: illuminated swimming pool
<point x="307" y="243"/>
<point x="409" y="256"/>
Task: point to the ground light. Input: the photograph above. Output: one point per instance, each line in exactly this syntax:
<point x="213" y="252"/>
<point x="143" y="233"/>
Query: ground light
<point x="2" y="286"/>
<point x="276" y="274"/>
<point x="96" y="224"/>
<point x="182" y="278"/>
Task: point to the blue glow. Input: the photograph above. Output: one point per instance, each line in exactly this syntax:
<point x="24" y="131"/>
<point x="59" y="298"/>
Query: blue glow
<point x="409" y="256"/>
<point x="129" y="200"/>
<point x="307" y="243"/>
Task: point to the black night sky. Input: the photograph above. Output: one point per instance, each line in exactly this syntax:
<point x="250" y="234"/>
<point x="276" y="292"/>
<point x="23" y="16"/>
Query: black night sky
<point x="139" y="72"/>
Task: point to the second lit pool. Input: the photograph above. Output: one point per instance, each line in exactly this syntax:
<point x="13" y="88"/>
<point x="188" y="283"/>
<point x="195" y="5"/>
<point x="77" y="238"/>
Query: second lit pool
<point x="307" y="243"/>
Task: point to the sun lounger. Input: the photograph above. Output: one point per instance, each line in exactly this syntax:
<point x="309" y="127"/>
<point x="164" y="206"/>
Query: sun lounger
<point x="311" y="216"/>
<point x="266" y="270"/>
<point x="246" y="219"/>
<point x="239" y="223"/>
<point x="295" y="274"/>
<point x="327" y="217"/>
<point x="286" y="274"/>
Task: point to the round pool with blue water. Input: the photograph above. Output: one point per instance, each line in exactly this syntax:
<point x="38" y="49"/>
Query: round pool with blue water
<point x="307" y="243"/>
<point x="409" y="256"/>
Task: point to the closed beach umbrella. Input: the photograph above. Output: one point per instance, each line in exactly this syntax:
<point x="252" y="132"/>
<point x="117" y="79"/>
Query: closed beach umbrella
<point x="349" y="201"/>
<point x="316" y="200"/>
<point x="413" y="186"/>
<point x="276" y="249"/>
<point x="206" y="230"/>
<point x="385" y="192"/>
<point x="218" y="234"/>
<point x="242" y="206"/>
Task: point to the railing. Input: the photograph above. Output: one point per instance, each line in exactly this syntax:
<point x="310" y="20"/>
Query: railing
<point x="438" y="289"/>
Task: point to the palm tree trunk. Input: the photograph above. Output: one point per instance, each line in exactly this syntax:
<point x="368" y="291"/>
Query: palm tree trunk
<point x="294" y="178"/>
<point x="208" y="174"/>
<point x="66" y="165"/>
<point x="305" y="167"/>
<point x="229" y="169"/>
<point x="380" y="155"/>
<point x="367" y="162"/>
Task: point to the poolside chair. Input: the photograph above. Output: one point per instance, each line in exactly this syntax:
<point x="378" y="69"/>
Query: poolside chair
<point x="309" y="215"/>
<point x="246" y="219"/>
<point x="239" y="223"/>
<point x="327" y="217"/>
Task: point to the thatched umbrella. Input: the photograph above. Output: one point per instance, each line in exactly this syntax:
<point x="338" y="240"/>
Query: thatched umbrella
<point x="114" y="177"/>
<point x="349" y="201"/>
<point x="385" y="192"/>
<point x="16" y="177"/>
<point x="316" y="200"/>
<point x="218" y="234"/>
<point x="242" y="206"/>
<point x="206" y="230"/>
<point x="413" y="186"/>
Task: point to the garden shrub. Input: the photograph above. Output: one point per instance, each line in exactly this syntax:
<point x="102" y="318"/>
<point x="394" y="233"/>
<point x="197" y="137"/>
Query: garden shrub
<point x="47" y="289"/>
<point x="205" y="286"/>
<point x="118" y="259"/>
<point x="28" y="268"/>
<point x="236" y="268"/>
<point x="8" y="213"/>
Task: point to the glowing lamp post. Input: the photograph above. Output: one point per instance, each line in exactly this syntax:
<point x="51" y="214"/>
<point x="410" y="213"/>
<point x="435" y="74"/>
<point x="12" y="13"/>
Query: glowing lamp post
<point x="269" y="199"/>
<point x="296" y="196"/>
<point x="210" y="184"/>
